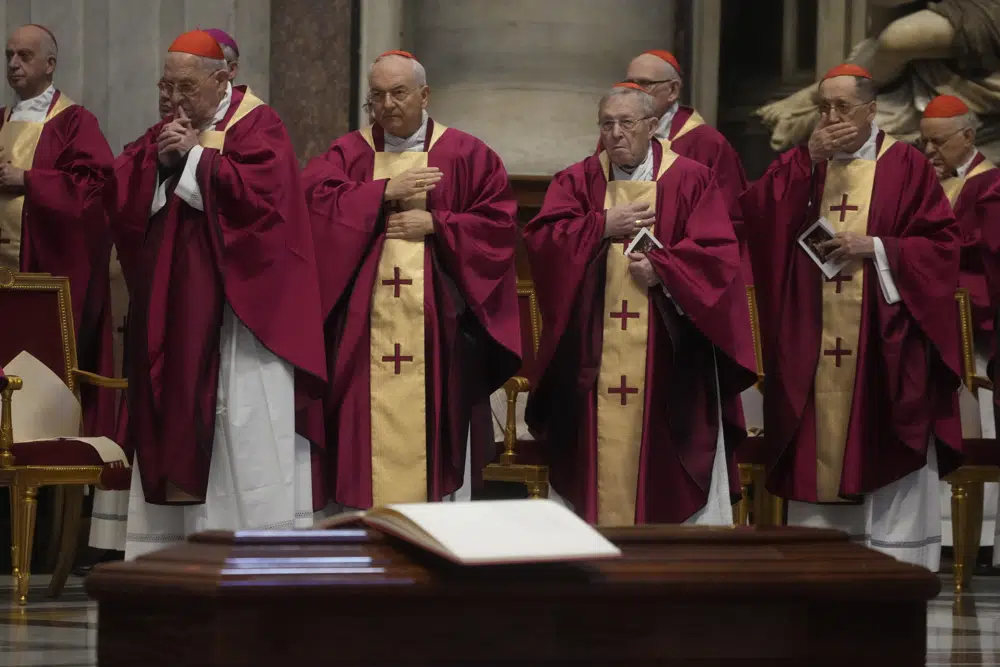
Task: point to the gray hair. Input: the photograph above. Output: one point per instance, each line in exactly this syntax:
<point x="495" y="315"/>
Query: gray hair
<point x="967" y="121"/>
<point x="211" y="65"/>
<point x="229" y="53"/>
<point x="648" y="106"/>
<point x="419" y="73"/>
<point x="49" y="46"/>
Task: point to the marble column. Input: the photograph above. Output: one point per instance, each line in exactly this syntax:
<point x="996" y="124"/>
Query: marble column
<point x="525" y="76"/>
<point x="311" y="70"/>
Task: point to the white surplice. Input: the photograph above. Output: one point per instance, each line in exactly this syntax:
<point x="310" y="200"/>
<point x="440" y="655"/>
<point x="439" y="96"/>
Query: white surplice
<point x="260" y="475"/>
<point x="902" y="519"/>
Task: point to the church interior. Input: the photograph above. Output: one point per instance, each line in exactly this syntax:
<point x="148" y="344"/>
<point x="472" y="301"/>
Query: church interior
<point x="524" y="76"/>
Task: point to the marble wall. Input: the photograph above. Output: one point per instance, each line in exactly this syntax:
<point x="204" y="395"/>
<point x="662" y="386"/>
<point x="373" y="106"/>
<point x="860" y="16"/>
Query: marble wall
<point x="523" y="75"/>
<point x="111" y="51"/>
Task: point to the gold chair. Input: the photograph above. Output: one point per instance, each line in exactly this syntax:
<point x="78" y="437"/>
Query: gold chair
<point x="982" y="465"/>
<point x="757" y="506"/>
<point x="515" y="466"/>
<point x="39" y="307"/>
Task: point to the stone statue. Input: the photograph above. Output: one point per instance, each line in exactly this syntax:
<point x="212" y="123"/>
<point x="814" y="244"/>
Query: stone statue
<point x="920" y="50"/>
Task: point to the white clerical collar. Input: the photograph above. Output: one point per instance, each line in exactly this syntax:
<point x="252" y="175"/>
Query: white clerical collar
<point x="964" y="169"/>
<point x="642" y="172"/>
<point x="663" y="129"/>
<point x="866" y="152"/>
<point x="412" y="143"/>
<point x="222" y="109"/>
<point x="34" y="109"/>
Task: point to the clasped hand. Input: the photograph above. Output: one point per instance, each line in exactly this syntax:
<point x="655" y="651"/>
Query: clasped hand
<point x="847" y="246"/>
<point x="176" y="139"/>
<point x="11" y="177"/>
<point x="412" y="225"/>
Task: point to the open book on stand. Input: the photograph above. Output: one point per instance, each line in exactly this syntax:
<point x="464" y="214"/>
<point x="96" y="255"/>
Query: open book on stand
<point x="488" y="532"/>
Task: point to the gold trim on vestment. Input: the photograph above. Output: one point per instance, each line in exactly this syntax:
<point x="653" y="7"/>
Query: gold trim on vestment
<point x="622" y="378"/>
<point x="217" y="138"/>
<point x="953" y="186"/>
<point x="693" y="121"/>
<point x="846" y="201"/>
<point x="19" y="140"/>
<point x="398" y="363"/>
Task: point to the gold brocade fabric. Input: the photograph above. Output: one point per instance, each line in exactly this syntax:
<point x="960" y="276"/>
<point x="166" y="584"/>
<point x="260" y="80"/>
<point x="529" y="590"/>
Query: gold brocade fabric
<point x="693" y="121"/>
<point x="846" y="199"/>
<point x="217" y="138"/>
<point x="953" y="186"/>
<point x="622" y="378"/>
<point x="19" y="139"/>
<point x="398" y="364"/>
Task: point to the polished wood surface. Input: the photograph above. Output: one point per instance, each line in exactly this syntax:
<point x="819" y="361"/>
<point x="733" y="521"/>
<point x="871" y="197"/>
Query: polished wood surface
<point x="680" y="596"/>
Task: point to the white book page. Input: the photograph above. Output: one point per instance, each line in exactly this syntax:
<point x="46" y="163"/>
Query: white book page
<point x="509" y="531"/>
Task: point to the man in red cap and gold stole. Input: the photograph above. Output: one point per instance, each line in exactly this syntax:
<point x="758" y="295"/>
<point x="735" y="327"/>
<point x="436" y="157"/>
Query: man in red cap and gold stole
<point x="213" y="236"/>
<point x="684" y="131"/>
<point x="643" y="355"/>
<point x="861" y="356"/>
<point x="421" y="302"/>
<point x="53" y="162"/>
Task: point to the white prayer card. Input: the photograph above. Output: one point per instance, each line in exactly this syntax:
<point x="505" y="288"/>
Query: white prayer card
<point x="643" y="242"/>
<point x="819" y="232"/>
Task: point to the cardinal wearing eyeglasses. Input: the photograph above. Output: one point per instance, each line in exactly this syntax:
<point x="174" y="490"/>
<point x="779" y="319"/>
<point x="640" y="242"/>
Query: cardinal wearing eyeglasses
<point x="643" y="355"/>
<point x="861" y="359"/>
<point x="415" y="230"/>
<point x="213" y="236"/>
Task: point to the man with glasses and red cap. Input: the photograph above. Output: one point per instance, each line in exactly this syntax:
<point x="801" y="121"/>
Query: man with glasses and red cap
<point x="214" y="240"/>
<point x="643" y="354"/>
<point x="416" y="226"/>
<point x="860" y="343"/>
<point x="684" y="131"/>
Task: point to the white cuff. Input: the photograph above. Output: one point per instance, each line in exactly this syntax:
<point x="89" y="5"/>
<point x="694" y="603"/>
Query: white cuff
<point x="885" y="280"/>
<point x="187" y="187"/>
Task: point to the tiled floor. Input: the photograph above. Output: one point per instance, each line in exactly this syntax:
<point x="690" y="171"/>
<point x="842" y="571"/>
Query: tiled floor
<point x="63" y="633"/>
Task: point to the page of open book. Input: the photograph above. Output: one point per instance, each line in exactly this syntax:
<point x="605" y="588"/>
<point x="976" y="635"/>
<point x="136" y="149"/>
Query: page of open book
<point x="507" y="531"/>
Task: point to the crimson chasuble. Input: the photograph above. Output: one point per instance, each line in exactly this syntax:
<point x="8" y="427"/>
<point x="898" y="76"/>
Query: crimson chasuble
<point x="625" y="399"/>
<point x="417" y="332"/>
<point x="250" y="247"/>
<point x="856" y="387"/>
<point x="58" y="226"/>
<point x="973" y="198"/>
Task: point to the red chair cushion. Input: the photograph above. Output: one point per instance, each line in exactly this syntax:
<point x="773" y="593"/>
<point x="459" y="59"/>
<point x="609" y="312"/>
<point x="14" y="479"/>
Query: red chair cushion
<point x="56" y="453"/>
<point x="754" y="451"/>
<point x="981" y="452"/>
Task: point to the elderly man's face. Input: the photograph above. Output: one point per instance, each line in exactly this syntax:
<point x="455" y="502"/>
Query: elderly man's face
<point x="29" y="68"/>
<point x="946" y="144"/>
<point x="839" y="103"/>
<point x="397" y="103"/>
<point x="657" y="79"/>
<point x="625" y="130"/>
<point x="187" y="85"/>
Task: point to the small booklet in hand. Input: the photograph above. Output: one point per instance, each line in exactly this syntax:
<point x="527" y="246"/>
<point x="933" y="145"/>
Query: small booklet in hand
<point x="488" y="532"/>
<point x="820" y="232"/>
<point x="643" y="242"/>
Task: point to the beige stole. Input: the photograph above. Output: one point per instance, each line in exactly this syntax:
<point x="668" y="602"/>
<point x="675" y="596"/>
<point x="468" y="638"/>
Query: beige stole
<point x="693" y="121"/>
<point x="19" y="139"/>
<point x="622" y="379"/>
<point x="217" y="138"/>
<point x="846" y="198"/>
<point x="953" y="186"/>
<point x="398" y="365"/>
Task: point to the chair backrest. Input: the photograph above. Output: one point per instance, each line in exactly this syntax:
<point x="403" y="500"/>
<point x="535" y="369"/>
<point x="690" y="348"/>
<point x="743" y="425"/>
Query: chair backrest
<point x="755" y="332"/>
<point x="38" y="318"/>
<point x="531" y="326"/>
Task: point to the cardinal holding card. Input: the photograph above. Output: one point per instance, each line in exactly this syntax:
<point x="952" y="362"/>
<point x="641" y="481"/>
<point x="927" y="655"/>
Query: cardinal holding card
<point x="646" y="343"/>
<point x="861" y="365"/>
